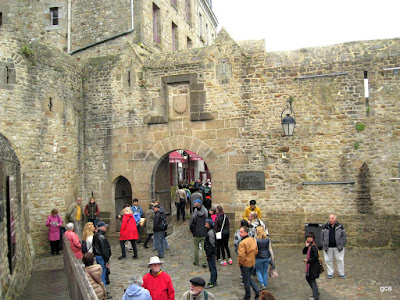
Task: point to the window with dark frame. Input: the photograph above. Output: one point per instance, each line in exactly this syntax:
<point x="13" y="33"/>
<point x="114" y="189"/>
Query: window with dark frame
<point x="174" y="37"/>
<point x="156" y="25"/>
<point x="54" y="16"/>
<point x="189" y="43"/>
<point x="1" y="18"/>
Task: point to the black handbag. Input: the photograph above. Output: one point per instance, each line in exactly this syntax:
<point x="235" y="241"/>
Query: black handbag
<point x="321" y="264"/>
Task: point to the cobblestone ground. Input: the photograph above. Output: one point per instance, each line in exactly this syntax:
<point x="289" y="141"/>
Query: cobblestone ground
<point x="371" y="273"/>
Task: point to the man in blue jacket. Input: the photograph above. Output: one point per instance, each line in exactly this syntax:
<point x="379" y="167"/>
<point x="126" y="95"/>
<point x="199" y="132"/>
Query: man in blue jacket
<point x="135" y="291"/>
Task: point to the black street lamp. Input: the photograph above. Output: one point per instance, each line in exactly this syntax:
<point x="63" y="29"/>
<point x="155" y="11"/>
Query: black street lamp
<point x="288" y="122"/>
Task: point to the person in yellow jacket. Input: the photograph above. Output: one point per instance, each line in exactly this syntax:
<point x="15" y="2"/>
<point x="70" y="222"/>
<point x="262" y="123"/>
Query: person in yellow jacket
<point x="75" y="214"/>
<point x="250" y="209"/>
<point x="247" y="252"/>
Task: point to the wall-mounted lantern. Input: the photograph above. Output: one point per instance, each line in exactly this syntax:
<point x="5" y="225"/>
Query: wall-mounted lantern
<point x="288" y="122"/>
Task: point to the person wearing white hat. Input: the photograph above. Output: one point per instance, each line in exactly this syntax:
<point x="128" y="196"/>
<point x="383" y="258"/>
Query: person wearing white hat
<point x="158" y="282"/>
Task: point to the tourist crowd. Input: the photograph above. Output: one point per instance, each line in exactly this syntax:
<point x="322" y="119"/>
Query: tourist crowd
<point x="210" y="227"/>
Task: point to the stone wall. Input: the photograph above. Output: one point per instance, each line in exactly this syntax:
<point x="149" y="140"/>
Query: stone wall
<point x="237" y="93"/>
<point x="31" y="19"/>
<point x="41" y="118"/>
<point x="95" y="21"/>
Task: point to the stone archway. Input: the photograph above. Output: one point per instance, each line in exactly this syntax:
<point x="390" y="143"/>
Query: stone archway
<point x="123" y="195"/>
<point x="156" y="161"/>
<point x="165" y="180"/>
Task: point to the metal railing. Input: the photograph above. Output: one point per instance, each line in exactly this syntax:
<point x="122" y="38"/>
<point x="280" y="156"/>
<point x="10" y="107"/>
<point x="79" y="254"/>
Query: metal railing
<point x="79" y="287"/>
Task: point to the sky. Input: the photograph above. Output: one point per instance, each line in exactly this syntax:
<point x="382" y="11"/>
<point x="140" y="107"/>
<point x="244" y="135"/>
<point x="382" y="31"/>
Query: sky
<point x="294" y="24"/>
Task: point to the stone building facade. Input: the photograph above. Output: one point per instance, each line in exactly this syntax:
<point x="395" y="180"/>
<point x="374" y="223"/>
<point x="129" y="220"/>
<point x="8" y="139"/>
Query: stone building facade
<point x="71" y="26"/>
<point x="102" y="121"/>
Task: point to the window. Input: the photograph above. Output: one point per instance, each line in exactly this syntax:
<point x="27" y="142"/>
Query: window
<point x="174" y="37"/>
<point x="156" y="25"/>
<point x="54" y="15"/>
<point x="187" y="10"/>
<point x="1" y="18"/>
<point x="207" y="35"/>
<point x="189" y="43"/>
<point x="200" y="25"/>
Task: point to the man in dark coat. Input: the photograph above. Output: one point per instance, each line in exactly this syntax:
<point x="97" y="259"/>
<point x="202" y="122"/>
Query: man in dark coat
<point x="102" y="250"/>
<point x="210" y="249"/>
<point x="158" y="230"/>
<point x="197" y="225"/>
<point x="312" y="264"/>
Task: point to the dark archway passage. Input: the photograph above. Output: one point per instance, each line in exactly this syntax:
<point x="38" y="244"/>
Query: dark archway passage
<point x="174" y="168"/>
<point x="10" y="199"/>
<point x="123" y="195"/>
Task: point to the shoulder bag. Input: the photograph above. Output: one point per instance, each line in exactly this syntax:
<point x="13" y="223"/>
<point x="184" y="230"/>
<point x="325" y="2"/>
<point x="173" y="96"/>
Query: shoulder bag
<point x="218" y="235"/>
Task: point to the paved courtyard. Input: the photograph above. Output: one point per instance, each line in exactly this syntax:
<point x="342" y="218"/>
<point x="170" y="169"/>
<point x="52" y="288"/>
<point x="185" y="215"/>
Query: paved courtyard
<point x="371" y="273"/>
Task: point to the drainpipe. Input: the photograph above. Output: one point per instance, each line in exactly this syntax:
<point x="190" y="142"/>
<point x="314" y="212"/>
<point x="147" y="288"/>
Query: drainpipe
<point x="132" y="15"/>
<point x="69" y="27"/>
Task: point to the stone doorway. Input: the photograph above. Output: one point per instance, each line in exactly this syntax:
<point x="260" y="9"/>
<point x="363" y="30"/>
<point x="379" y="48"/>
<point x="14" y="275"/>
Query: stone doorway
<point x="10" y="199"/>
<point x="123" y="195"/>
<point x="174" y="168"/>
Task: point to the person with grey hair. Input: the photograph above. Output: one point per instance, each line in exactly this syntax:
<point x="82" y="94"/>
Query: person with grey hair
<point x="135" y="291"/>
<point x="73" y="239"/>
<point x="334" y="238"/>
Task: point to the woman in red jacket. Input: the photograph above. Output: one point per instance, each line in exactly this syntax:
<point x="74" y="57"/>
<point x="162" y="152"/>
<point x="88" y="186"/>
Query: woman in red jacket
<point x="128" y="232"/>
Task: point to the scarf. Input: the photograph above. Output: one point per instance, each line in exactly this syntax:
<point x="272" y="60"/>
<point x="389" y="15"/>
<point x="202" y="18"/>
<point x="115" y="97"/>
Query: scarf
<point x="308" y="258"/>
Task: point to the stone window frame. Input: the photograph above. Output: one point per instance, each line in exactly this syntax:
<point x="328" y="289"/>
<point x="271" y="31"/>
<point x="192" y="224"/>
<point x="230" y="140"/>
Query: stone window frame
<point x="197" y="99"/>
<point x="188" y="11"/>
<point x="174" y="36"/>
<point x="156" y="24"/>
<point x="4" y="12"/>
<point x="8" y="75"/>
<point x="48" y="15"/>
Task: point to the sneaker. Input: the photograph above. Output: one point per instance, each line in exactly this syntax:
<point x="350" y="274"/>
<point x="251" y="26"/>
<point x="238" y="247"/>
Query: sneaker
<point x="262" y="287"/>
<point x="223" y="263"/>
<point x="210" y="285"/>
<point x="343" y="276"/>
<point x="230" y="261"/>
<point x="121" y="257"/>
<point x="330" y="276"/>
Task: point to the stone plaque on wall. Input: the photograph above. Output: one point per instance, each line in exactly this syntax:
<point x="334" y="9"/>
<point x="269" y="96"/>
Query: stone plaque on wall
<point x="250" y="180"/>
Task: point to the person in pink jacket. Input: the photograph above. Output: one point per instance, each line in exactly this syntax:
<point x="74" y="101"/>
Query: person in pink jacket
<point x="73" y="239"/>
<point x="54" y="222"/>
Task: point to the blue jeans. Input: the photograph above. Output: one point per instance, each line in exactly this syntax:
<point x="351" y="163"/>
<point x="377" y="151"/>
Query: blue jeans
<point x="247" y="281"/>
<point x="159" y="237"/>
<point x="102" y="263"/>
<point x="213" y="269"/>
<point x="262" y="270"/>
<point x="94" y="221"/>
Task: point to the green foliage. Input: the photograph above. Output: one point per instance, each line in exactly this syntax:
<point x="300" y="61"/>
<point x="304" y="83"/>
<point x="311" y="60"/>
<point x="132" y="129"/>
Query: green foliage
<point x="291" y="99"/>
<point x="27" y="51"/>
<point x="356" y="145"/>
<point x="360" y="127"/>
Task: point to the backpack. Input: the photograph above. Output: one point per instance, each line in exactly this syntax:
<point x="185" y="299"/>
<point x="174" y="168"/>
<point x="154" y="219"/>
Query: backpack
<point x="207" y="190"/>
<point x="164" y="222"/>
<point x="136" y="216"/>
<point x="84" y="248"/>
